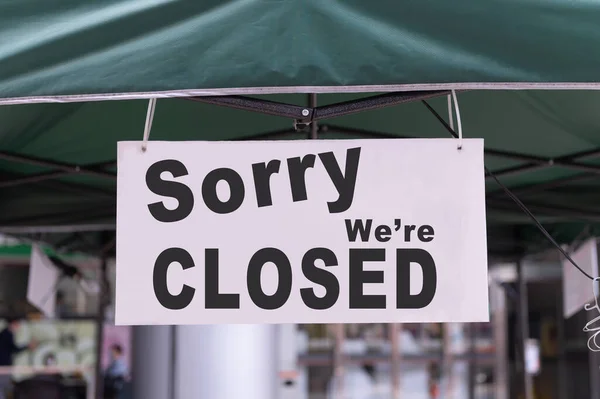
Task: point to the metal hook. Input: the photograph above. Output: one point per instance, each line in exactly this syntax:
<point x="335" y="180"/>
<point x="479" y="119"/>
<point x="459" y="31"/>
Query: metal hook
<point x="458" y="121"/>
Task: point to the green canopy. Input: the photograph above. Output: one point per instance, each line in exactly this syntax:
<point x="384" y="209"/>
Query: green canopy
<point x="57" y="59"/>
<point x="129" y="48"/>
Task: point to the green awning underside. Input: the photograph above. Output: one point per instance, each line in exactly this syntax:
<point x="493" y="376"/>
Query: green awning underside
<point x="58" y="58"/>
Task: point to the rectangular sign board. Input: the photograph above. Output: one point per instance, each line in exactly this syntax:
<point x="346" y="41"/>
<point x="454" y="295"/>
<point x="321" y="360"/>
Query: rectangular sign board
<point x="42" y="282"/>
<point x="577" y="288"/>
<point x="316" y="231"/>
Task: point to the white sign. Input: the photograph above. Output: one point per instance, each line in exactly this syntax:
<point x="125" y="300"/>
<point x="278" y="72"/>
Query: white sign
<point x="42" y="282"/>
<point x="577" y="290"/>
<point x="323" y="231"/>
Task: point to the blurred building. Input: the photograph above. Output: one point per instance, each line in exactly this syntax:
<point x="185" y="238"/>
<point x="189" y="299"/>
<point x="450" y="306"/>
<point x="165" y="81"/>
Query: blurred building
<point x="416" y="361"/>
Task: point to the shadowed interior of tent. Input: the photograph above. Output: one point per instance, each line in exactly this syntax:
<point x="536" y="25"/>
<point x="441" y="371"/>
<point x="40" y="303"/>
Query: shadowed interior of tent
<point x="58" y="161"/>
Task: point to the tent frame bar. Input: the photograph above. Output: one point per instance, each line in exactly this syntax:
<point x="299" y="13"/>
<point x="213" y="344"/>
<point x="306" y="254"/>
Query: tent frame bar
<point x="565" y="161"/>
<point x="532" y="162"/>
<point x="537" y="162"/>
<point x="306" y="114"/>
<point x="303" y="117"/>
<point x="546" y="210"/>
<point x="93" y="170"/>
<point x="259" y="106"/>
<point x="535" y="188"/>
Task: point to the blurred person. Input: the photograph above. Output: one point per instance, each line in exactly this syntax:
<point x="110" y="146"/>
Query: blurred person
<point x="8" y="348"/>
<point x="115" y="374"/>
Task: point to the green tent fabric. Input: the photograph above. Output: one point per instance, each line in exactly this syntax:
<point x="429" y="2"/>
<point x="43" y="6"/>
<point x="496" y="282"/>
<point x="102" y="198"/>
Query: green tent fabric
<point x="23" y="252"/>
<point x="58" y="58"/>
<point x="133" y="48"/>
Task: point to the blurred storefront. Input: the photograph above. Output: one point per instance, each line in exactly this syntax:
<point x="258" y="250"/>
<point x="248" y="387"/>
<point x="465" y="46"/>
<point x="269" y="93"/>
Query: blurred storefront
<point x="66" y="349"/>
<point x="325" y="361"/>
<point x="411" y="360"/>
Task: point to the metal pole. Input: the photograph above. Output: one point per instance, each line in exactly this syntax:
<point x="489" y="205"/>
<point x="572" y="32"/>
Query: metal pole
<point x="95" y="169"/>
<point x="471" y="359"/>
<point x="524" y="327"/>
<point x="338" y="361"/>
<point x="226" y="361"/>
<point x="102" y="303"/>
<point x="498" y="299"/>
<point x="560" y="343"/>
<point x="447" y="360"/>
<point x="395" y="330"/>
<point x="152" y="367"/>
<point x="173" y="366"/>
<point x="290" y="382"/>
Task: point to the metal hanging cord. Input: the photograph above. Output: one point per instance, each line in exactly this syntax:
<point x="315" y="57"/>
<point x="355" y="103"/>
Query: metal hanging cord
<point x="452" y="98"/>
<point x="148" y="124"/>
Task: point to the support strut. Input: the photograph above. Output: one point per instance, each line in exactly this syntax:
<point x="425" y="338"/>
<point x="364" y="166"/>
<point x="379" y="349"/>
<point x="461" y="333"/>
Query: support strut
<point x="307" y="114"/>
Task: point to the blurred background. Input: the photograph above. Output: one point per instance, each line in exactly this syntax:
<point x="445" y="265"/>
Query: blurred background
<point x="491" y="360"/>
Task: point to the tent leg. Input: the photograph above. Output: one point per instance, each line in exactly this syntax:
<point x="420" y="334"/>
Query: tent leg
<point x="226" y="361"/>
<point x="524" y="330"/>
<point x="152" y="368"/>
<point x="498" y="299"/>
<point x="395" y="330"/>
<point x="560" y="341"/>
<point x="102" y="302"/>
<point x="472" y="369"/>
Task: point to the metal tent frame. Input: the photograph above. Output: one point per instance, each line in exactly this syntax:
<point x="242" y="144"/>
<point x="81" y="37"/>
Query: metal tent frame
<point x="305" y="119"/>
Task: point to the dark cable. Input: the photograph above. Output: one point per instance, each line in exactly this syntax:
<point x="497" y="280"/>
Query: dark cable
<point x="512" y="196"/>
<point x="536" y="222"/>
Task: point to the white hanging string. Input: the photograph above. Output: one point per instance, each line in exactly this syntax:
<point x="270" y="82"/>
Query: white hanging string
<point x="148" y="125"/>
<point x="458" y="122"/>
<point x="592" y="344"/>
<point x="450" y="112"/>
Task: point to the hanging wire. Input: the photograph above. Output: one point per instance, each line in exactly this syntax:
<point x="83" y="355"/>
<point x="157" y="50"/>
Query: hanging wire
<point x="513" y="197"/>
<point x="592" y="344"/>
<point x="537" y="223"/>
<point x="458" y="122"/>
<point x="450" y="113"/>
